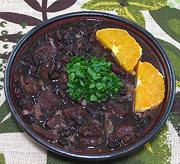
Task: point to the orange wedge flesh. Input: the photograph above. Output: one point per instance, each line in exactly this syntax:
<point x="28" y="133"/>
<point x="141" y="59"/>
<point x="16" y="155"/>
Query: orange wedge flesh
<point x="124" y="47"/>
<point x="150" y="88"/>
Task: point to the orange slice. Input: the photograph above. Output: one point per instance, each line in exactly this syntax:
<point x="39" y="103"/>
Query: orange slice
<point x="150" y="88"/>
<point x="125" y="48"/>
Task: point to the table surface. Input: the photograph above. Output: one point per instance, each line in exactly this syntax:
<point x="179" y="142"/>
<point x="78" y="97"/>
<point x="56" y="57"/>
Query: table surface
<point x="160" y="17"/>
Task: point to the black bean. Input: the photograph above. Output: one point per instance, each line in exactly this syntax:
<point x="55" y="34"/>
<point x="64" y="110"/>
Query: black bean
<point x="36" y="60"/>
<point x="100" y="116"/>
<point x="70" y="53"/>
<point x="88" y="47"/>
<point x="65" y="133"/>
<point x="54" y="76"/>
<point x="61" y="46"/>
<point x="114" y="144"/>
<point x="62" y="141"/>
<point x="30" y="118"/>
<point x="141" y="122"/>
<point x="22" y="102"/>
<point x="58" y="35"/>
<point x="90" y="110"/>
<point x="80" y="121"/>
<point x="42" y="123"/>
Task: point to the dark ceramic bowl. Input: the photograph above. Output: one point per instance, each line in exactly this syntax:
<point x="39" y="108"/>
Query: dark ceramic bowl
<point x="155" y="55"/>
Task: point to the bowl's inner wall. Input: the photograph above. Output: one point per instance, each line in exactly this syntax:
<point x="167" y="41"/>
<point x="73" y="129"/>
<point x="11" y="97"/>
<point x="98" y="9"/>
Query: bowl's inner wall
<point x="151" y="53"/>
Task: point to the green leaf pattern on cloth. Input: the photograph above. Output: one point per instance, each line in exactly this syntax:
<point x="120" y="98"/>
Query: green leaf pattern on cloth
<point x="8" y="125"/>
<point x="174" y="56"/>
<point x="2" y="158"/>
<point x="130" y="9"/>
<point x="175" y="120"/>
<point x="169" y="20"/>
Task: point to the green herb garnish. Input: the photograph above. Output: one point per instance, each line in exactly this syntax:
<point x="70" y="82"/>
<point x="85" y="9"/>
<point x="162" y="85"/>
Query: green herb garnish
<point x="91" y="79"/>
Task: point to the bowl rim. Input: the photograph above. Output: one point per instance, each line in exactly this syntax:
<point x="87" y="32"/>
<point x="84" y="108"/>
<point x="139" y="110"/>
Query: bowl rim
<point x="61" y="151"/>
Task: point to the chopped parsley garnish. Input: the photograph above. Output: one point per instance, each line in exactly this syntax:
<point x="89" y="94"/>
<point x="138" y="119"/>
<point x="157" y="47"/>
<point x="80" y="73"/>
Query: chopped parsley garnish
<point x="91" y="79"/>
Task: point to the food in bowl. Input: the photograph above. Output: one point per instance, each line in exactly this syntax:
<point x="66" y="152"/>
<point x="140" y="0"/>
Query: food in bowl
<point x="74" y="91"/>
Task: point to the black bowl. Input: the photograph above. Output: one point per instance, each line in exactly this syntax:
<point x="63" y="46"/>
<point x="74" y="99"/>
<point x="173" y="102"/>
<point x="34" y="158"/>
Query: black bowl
<point x="146" y="40"/>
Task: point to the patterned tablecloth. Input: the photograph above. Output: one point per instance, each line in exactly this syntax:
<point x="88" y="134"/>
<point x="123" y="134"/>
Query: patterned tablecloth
<point x="160" y="17"/>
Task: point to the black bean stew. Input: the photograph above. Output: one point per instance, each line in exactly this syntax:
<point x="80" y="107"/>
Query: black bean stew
<point x="79" y="126"/>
